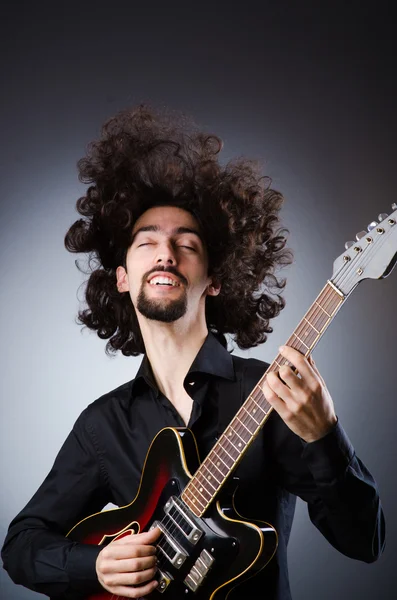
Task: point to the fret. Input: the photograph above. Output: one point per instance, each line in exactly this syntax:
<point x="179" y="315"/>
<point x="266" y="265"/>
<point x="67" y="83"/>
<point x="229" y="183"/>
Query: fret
<point x="230" y="442"/>
<point x="323" y="309"/>
<point x="196" y="488"/>
<point x="216" y="467"/>
<point x="187" y="489"/>
<point x="202" y="489"/>
<point x="208" y="479"/>
<point x="242" y="432"/>
<point x="202" y="481"/>
<point x="250" y="432"/>
<point x="249" y="414"/>
<point x="258" y="405"/>
<point x="321" y="322"/>
<point x="257" y="422"/>
<point x="307" y="335"/>
<point x="312" y="326"/>
<point x="227" y="452"/>
<point x="232" y="450"/>
<point x="220" y="458"/>
<point x="240" y="436"/>
<point x="301" y="341"/>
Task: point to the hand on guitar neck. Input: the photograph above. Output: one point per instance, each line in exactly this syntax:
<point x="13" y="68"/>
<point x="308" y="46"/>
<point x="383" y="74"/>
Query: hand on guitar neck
<point x="301" y="398"/>
<point x="126" y="567"/>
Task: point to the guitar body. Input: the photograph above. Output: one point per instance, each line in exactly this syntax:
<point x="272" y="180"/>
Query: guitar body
<point x="199" y="557"/>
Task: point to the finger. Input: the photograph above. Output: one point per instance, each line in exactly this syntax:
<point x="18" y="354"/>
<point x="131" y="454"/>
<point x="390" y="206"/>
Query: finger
<point x="290" y="378"/>
<point x="120" y="551"/>
<point x="130" y="565"/>
<point x="134" y="592"/>
<point x="146" y="537"/>
<point x="300" y="362"/>
<point x="277" y="386"/>
<point x="274" y="400"/>
<point x="135" y="578"/>
<point x="313" y="365"/>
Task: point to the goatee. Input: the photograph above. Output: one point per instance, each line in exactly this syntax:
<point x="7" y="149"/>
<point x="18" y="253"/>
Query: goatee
<point x="166" y="312"/>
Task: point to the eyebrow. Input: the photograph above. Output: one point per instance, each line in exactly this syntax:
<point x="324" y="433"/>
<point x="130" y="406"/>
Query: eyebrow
<point x="175" y="231"/>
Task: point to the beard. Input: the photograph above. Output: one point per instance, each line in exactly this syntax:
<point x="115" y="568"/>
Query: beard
<point x="159" y="310"/>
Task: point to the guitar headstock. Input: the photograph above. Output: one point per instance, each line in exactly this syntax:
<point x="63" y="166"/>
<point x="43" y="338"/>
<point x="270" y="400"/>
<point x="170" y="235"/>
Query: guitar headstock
<point x="372" y="256"/>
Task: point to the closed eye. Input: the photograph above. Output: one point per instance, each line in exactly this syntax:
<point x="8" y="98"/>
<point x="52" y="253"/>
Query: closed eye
<point x="151" y="244"/>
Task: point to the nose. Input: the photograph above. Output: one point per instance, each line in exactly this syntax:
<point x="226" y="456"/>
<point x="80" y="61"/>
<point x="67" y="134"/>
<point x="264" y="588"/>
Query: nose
<point x="166" y="255"/>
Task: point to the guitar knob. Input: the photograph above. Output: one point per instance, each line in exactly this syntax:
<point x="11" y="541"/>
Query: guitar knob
<point x="382" y="216"/>
<point x="348" y="244"/>
<point x="372" y="225"/>
<point x="360" y="234"/>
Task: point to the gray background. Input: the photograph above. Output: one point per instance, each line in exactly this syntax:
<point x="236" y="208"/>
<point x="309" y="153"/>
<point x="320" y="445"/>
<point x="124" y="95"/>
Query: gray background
<point x="310" y="91"/>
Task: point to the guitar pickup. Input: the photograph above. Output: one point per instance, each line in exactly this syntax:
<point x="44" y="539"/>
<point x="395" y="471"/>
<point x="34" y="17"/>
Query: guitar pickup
<point x="180" y="517"/>
<point x="169" y="547"/>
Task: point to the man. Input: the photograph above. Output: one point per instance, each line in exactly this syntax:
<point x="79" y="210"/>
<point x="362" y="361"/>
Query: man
<point x="183" y="246"/>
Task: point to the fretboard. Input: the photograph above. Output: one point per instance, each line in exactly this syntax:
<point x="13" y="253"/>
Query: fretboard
<point x="252" y="415"/>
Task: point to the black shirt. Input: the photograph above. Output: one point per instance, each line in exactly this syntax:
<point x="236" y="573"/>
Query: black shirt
<point x="102" y="458"/>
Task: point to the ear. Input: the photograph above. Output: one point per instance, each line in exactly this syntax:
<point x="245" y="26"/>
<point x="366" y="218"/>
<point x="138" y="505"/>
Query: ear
<point x="214" y="288"/>
<point x="122" y="279"/>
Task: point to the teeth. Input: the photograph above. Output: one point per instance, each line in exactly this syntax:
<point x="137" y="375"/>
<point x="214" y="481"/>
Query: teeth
<point x="163" y="280"/>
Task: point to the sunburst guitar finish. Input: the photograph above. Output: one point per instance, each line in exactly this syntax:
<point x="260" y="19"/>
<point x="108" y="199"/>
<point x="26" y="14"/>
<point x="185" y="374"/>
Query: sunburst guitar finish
<point x="198" y="557"/>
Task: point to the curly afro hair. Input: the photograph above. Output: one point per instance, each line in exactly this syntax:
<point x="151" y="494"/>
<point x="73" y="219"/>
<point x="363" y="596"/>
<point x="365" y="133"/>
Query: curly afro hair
<point x="145" y="158"/>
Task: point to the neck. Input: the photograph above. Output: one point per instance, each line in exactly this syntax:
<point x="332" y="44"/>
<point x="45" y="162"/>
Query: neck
<point x="171" y="349"/>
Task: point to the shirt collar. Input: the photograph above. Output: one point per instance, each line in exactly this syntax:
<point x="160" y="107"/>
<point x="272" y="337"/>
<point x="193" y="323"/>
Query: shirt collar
<point x="212" y="359"/>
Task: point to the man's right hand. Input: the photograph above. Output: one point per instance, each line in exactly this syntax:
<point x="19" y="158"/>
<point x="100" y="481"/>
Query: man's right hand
<point x="128" y="562"/>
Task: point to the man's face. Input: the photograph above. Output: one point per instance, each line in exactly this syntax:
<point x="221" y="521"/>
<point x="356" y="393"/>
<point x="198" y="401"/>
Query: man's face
<point x="167" y="265"/>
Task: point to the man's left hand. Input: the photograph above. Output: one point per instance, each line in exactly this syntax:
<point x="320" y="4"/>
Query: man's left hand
<point x="301" y="398"/>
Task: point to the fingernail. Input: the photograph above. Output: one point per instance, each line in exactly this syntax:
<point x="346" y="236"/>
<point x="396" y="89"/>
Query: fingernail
<point x="281" y="348"/>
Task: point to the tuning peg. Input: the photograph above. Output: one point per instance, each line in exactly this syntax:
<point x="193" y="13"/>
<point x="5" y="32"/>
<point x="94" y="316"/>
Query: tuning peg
<point x="348" y="244"/>
<point x="372" y="225"/>
<point x="360" y="234"/>
<point x="394" y="206"/>
<point x="382" y="216"/>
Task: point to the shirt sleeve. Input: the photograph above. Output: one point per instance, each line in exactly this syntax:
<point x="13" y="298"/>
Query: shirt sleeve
<point x="342" y="496"/>
<point x="36" y="553"/>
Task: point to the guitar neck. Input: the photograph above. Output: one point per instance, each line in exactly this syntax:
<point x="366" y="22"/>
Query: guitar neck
<point x="244" y="427"/>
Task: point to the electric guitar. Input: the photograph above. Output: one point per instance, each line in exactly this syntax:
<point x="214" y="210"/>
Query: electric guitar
<point x="205" y="548"/>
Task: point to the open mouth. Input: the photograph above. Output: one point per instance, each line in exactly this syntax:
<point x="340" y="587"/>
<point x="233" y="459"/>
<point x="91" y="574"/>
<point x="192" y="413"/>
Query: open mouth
<point x="163" y="286"/>
<point x="163" y="282"/>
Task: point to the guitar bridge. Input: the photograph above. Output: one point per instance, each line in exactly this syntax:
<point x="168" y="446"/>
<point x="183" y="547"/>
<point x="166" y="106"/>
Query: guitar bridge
<point x="199" y="570"/>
